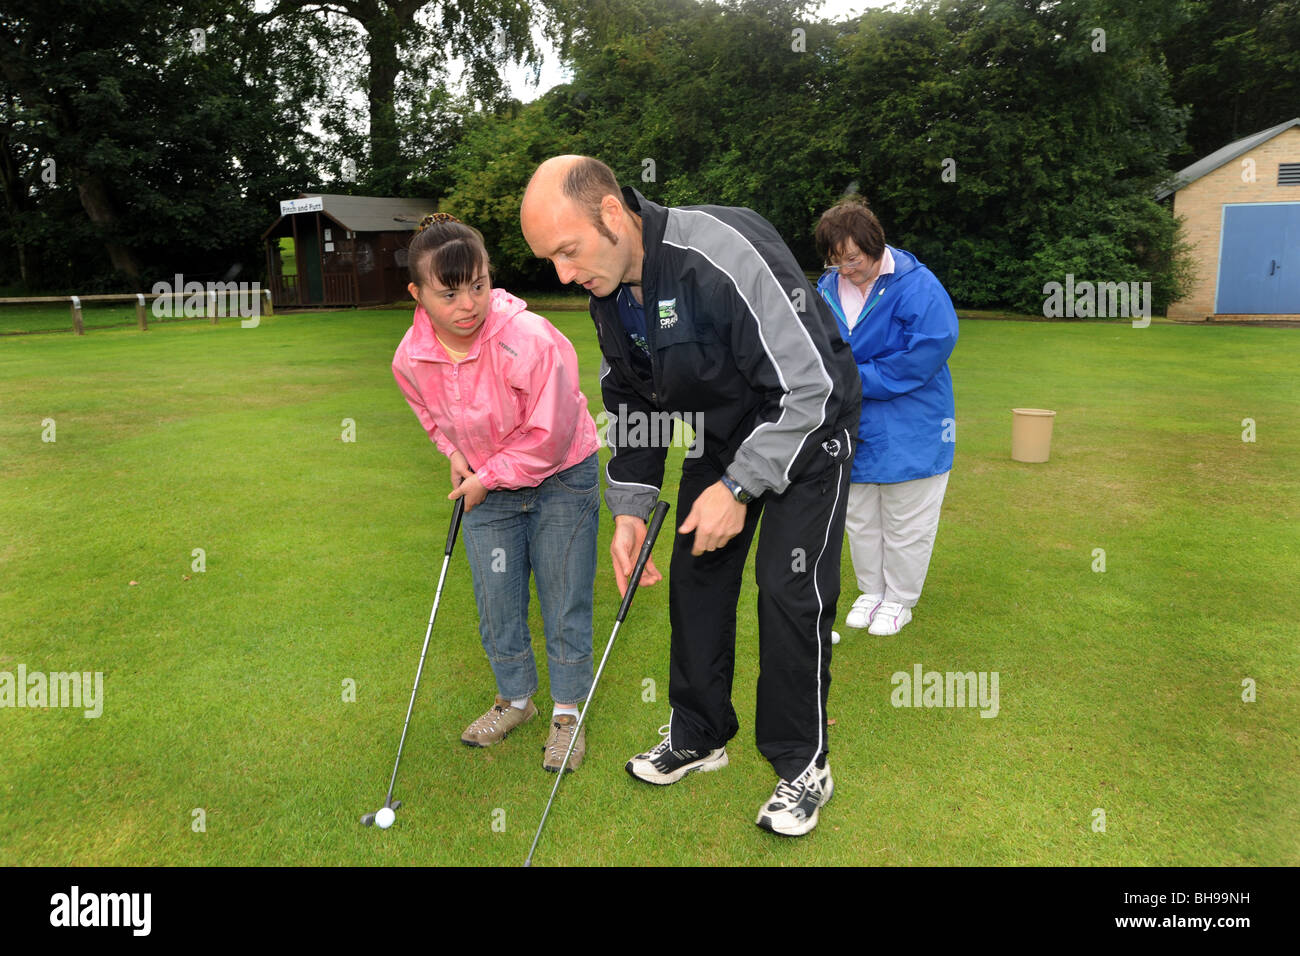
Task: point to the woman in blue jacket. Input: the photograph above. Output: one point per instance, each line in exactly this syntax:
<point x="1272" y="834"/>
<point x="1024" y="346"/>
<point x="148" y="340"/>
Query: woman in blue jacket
<point x="901" y="326"/>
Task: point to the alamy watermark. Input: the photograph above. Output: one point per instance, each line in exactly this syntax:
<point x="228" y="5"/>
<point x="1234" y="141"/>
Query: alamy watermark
<point x="1099" y="300"/>
<point x="75" y="689"/>
<point x="946" y="689"/>
<point x="637" y="429"/>
<point x="129" y="910"/>
<point x="196" y="299"/>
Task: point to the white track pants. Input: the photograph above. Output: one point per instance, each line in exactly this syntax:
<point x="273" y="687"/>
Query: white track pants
<point x="891" y="531"/>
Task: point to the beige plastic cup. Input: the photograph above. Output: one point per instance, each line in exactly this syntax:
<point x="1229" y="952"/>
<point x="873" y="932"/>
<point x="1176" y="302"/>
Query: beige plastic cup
<point x="1031" y="434"/>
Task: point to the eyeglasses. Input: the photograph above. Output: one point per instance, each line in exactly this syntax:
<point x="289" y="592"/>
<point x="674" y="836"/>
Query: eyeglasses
<point x="852" y="262"/>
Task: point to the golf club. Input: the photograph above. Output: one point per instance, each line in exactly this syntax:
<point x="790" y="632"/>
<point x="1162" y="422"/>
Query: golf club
<point x="652" y="532"/>
<point x="391" y="804"/>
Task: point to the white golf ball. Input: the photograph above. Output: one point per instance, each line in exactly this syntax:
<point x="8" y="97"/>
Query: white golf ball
<point x="384" y="818"/>
<point x="835" y="637"/>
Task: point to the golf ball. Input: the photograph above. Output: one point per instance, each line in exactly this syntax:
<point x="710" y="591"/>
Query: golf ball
<point x="835" y="637"/>
<point x="384" y="818"/>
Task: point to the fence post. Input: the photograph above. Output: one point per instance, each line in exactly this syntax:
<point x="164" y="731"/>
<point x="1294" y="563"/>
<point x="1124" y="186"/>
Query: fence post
<point x="270" y="305"/>
<point x="212" y="305"/>
<point x="139" y="312"/>
<point x="76" y="316"/>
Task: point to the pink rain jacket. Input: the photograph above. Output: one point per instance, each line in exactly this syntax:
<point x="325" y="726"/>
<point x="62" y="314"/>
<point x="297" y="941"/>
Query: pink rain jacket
<point x="512" y="407"/>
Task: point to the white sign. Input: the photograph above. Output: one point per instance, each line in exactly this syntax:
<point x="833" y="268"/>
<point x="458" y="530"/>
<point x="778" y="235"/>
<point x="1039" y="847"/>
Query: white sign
<point x="311" y="204"/>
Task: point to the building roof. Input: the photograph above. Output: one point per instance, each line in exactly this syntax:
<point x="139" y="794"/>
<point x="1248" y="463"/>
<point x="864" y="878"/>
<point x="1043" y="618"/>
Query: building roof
<point x="375" y="213"/>
<point x="1203" y="167"/>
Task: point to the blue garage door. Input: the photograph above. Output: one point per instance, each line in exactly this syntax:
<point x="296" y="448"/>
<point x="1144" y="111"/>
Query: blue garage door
<point x="1259" y="266"/>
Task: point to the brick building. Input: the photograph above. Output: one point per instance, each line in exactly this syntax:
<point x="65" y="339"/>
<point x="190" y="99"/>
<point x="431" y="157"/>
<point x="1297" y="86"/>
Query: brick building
<point x="1241" y="213"/>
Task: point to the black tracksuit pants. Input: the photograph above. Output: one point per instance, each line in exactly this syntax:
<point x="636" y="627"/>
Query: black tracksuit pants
<point x="798" y="573"/>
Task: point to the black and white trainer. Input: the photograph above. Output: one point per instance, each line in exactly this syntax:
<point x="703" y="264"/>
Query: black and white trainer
<point x="794" y="806"/>
<point x="662" y="765"/>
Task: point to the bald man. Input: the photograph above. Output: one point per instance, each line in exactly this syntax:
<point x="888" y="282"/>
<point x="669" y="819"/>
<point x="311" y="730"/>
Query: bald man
<point x="704" y="310"/>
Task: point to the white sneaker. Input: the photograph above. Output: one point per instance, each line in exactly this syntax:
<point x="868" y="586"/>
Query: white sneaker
<point x="662" y="766"/>
<point x="864" y="608"/>
<point x="795" y="804"/>
<point x="889" y="619"/>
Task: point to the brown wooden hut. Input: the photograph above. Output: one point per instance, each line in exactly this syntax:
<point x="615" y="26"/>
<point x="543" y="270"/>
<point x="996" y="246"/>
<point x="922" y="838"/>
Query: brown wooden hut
<point x="346" y="250"/>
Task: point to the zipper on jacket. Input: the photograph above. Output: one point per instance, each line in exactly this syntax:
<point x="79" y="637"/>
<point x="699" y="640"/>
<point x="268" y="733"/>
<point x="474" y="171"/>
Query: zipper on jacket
<point x="647" y="268"/>
<point x="649" y="341"/>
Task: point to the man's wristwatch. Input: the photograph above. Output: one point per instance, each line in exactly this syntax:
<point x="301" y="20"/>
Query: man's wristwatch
<point x="737" y="492"/>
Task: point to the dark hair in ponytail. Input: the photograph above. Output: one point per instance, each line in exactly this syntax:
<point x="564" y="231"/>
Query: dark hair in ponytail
<point x="447" y="251"/>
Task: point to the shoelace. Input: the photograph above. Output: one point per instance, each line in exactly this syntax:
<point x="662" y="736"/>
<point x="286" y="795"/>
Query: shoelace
<point x="786" y="791"/>
<point x="560" y="747"/>
<point x="662" y="746"/>
<point x="566" y="734"/>
<point x="489" y="720"/>
<point x="791" y="790"/>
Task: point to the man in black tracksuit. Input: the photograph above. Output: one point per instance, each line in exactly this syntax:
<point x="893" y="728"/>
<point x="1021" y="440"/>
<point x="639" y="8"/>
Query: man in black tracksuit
<point x="704" y="310"/>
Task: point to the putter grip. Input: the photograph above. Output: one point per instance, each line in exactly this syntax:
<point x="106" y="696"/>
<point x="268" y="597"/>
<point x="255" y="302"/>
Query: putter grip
<point x="456" y="515"/>
<point x="652" y="532"/>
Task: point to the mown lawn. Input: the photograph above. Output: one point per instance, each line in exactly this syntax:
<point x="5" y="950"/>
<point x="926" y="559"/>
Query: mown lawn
<point x="224" y="689"/>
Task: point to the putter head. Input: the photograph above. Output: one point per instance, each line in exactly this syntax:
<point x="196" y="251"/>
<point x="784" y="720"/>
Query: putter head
<point x="368" y="819"/>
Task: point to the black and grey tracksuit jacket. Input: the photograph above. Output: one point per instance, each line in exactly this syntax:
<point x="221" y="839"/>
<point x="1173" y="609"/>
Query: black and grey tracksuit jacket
<point x="738" y="337"/>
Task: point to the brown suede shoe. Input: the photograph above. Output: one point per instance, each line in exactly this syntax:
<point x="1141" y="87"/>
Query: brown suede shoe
<point x="562" y="727"/>
<point x="493" y="726"/>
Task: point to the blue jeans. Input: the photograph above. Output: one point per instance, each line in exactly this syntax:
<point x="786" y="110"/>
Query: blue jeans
<point x="549" y="530"/>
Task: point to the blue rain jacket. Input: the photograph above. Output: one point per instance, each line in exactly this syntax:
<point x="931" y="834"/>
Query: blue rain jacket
<point x="901" y="347"/>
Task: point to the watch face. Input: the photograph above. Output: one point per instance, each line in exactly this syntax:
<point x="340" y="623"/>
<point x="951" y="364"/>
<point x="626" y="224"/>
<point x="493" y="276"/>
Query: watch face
<point x="737" y="492"/>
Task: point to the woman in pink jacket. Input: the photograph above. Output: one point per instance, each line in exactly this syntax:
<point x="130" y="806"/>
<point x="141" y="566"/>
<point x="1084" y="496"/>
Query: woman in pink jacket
<point x="496" y="388"/>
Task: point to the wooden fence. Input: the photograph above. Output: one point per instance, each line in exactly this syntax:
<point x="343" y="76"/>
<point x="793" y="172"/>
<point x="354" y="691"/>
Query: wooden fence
<point x="211" y="297"/>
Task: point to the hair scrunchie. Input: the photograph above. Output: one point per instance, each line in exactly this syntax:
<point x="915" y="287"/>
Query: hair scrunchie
<point x="436" y="218"/>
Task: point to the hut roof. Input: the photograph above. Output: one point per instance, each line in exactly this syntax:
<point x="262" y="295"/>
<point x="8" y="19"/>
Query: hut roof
<point x="1203" y="167"/>
<point x="375" y="213"/>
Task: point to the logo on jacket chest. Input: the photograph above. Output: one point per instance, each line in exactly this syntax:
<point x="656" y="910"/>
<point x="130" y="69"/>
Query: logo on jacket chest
<point x="667" y="313"/>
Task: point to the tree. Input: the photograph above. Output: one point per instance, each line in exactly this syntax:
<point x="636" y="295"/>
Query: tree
<point x="493" y="164"/>
<point x="408" y="44"/>
<point x="1005" y="142"/>
<point x="1236" y="63"/>
<point x="714" y="103"/>
<point x="171" y="126"/>
<point x="1009" y="142"/>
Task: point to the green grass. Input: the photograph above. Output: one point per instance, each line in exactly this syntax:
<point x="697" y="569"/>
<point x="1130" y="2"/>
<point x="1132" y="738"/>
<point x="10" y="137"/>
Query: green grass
<point x="224" y="689"/>
<point x="57" y="317"/>
<point x="15" y="319"/>
<point x="51" y="317"/>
